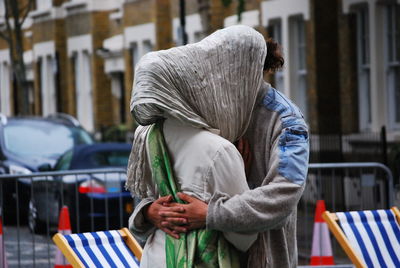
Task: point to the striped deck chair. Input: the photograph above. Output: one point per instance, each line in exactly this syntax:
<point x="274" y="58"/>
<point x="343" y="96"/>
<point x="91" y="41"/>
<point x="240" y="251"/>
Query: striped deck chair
<point x="370" y="238"/>
<point x="117" y="248"/>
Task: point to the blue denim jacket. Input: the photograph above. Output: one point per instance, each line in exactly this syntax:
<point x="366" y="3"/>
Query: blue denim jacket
<point x="293" y="141"/>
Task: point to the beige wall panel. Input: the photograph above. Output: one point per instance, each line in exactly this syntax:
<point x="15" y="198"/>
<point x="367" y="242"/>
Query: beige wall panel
<point x="138" y="12"/>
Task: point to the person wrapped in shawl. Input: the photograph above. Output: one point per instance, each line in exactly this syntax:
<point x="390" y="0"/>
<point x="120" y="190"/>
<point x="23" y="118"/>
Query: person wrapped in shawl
<point x="192" y="102"/>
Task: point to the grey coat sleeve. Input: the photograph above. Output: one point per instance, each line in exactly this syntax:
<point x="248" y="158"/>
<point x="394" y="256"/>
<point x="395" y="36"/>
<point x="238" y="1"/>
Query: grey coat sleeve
<point x="268" y="206"/>
<point x="137" y="222"/>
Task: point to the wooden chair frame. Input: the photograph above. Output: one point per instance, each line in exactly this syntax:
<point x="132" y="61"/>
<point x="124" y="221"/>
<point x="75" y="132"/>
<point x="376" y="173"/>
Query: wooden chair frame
<point x="74" y="260"/>
<point x="331" y="219"/>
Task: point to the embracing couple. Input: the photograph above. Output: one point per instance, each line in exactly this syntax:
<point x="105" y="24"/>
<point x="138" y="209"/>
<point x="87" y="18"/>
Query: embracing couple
<point x="204" y="201"/>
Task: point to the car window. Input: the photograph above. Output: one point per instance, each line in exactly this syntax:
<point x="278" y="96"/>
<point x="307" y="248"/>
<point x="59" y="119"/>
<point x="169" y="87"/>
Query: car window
<point x="65" y="161"/>
<point x="110" y="159"/>
<point x="41" y="138"/>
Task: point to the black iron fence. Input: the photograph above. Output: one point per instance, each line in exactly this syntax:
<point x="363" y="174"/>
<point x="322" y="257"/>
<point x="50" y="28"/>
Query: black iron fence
<point x="343" y="187"/>
<point x="97" y="201"/>
<point x="31" y="203"/>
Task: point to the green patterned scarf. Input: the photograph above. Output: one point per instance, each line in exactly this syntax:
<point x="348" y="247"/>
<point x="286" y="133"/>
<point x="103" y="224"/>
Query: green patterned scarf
<point x="198" y="248"/>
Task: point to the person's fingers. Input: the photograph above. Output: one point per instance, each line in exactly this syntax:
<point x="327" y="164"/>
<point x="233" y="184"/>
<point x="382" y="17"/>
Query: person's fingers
<point x="170" y="232"/>
<point x="164" y="199"/>
<point x="178" y="209"/>
<point x="186" y="198"/>
<point x="174" y="228"/>
<point x="167" y="213"/>
<point x="179" y="229"/>
<point x="175" y="221"/>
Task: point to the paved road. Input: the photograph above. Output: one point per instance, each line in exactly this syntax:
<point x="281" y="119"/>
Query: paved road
<point x="26" y="250"/>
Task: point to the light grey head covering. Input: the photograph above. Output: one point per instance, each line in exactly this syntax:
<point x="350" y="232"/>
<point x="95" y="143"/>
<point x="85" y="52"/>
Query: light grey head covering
<point x="212" y="84"/>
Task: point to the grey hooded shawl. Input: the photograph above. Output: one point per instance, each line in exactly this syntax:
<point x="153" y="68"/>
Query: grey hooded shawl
<point x="212" y="84"/>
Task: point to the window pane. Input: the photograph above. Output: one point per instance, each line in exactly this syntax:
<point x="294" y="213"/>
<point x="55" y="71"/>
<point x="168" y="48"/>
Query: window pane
<point x="135" y="54"/>
<point x="110" y="159"/>
<point x="301" y="44"/>
<point x="275" y="31"/>
<point x="396" y="83"/>
<point x="147" y="47"/>
<point x="2" y="8"/>
<point x="396" y="17"/>
<point x="389" y="31"/>
<point x="43" y="139"/>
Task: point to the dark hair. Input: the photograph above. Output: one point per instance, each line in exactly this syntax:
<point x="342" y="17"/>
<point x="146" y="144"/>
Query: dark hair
<point x="274" y="59"/>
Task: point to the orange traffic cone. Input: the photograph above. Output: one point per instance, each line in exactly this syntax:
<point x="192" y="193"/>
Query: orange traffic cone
<point x="321" y="252"/>
<point x="64" y="227"/>
<point x="3" y="259"/>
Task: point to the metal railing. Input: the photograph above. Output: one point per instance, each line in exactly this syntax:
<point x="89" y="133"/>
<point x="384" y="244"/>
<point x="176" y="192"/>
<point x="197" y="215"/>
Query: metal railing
<point x="31" y="204"/>
<point x="343" y="186"/>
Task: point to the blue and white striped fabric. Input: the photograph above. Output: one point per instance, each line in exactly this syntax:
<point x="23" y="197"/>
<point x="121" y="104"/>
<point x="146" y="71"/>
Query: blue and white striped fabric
<point x="374" y="235"/>
<point x="102" y="249"/>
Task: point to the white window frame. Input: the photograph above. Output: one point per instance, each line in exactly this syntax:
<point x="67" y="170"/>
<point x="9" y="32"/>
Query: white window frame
<point x="83" y="89"/>
<point x="47" y="85"/>
<point x="279" y="77"/>
<point x="193" y="28"/>
<point x="392" y="64"/>
<point x="377" y="77"/>
<point x="135" y="54"/>
<point x="81" y="48"/>
<point x="140" y="35"/>
<point x="45" y="53"/>
<point x="363" y="67"/>
<point x="5" y="90"/>
<point x="2" y="9"/>
<point x="147" y="47"/>
<point x="298" y="55"/>
<point x="283" y="10"/>
<point x="43" y="4"/>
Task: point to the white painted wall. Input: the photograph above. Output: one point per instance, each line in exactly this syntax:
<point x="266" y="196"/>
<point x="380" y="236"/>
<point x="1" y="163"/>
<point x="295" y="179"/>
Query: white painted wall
<point x="283" y="10"/>
<point x="139" y="35"/>
<point x="43" y="4"/>
<point x="5" y="82"/>
<point x="378" y="96"/>
<point x="192" y="28"/>
<point x="91" y="5"/>
<point x="249" y="18"/>
<point x="114" y="62"/>
<point x="45" y="52"/>
<point x="2" y="8"/>
<point x="47" y="78"/>
<point x="28" y="60"/>
<point x="80" y="47"/>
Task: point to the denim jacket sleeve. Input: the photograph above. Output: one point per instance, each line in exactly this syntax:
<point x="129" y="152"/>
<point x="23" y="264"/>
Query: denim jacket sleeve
<point x="268" y="206"/>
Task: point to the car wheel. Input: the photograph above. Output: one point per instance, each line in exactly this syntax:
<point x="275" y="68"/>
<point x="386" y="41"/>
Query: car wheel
<point x="34" y="223"/>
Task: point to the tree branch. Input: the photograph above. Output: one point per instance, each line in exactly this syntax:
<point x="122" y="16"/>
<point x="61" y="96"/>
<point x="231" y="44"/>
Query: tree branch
<point x="9" y="30"/>
<point x="27" y="10"/>
<point x="7" y="18"/>
<point x="5" y="37"/>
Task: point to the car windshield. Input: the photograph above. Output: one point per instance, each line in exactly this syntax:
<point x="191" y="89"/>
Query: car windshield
<point x="110" y="159"/>
<point x="30" y="138"/>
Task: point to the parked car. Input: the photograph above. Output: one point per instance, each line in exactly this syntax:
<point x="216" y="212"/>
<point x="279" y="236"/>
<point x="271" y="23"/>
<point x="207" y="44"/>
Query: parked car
<point x="27" y="144"/>
<point x="95" y="200"/>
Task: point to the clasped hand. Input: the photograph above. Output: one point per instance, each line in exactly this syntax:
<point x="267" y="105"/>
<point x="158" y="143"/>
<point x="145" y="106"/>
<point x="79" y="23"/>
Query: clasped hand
<point x="175" y="218"/>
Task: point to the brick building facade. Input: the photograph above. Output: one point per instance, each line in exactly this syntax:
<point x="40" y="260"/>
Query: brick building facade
<point x="342" y="56"/>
